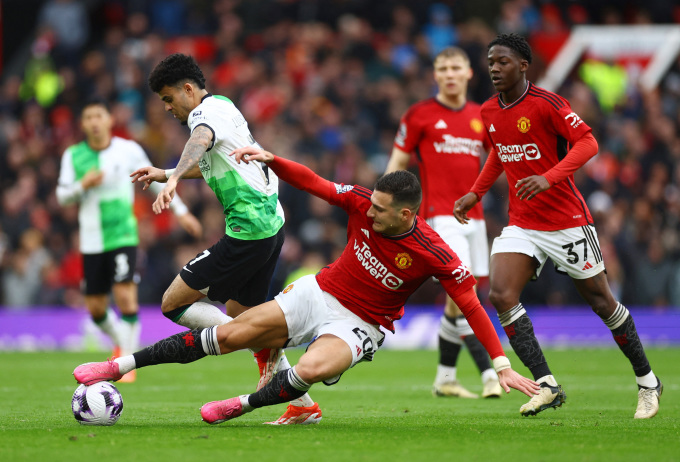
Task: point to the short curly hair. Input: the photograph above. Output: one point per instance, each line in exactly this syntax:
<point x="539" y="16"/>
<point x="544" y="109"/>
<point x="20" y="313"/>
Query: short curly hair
<point x="174" y="70"/>
<point x="515" y="42"/>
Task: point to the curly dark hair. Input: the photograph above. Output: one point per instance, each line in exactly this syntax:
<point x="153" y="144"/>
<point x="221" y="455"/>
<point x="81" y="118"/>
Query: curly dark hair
<point x="404" y="188"/>
<point x="175" y="69"/>
<point x="515" y="42"/>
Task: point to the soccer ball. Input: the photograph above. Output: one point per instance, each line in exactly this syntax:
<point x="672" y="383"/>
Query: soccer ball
<point x="98" y="404"/>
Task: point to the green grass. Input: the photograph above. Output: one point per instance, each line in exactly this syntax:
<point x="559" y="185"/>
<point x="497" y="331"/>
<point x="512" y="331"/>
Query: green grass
<point x="378" y="411"/>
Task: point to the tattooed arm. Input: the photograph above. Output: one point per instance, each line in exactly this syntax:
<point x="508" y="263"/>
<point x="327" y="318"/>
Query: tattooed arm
<point x="198" y="144"/>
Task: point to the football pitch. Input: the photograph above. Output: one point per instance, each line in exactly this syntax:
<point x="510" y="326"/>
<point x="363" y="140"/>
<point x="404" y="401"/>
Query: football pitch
<point x="378" y="411"/>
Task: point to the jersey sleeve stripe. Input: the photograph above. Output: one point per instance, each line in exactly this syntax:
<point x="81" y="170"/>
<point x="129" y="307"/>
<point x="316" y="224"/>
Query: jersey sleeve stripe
<point x="548" y="96"/>
<point x="363" y="192"/>
<point x="547" y="99"/>
<point x="436" y="250"/>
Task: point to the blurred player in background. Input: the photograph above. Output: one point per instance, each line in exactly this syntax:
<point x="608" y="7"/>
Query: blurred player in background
<point x="540" y="142"/>
<point x="447" y="137"/>
<point x="389" y="254"/>
<point x="238" y="269"/>
<point x="95" y="173"/>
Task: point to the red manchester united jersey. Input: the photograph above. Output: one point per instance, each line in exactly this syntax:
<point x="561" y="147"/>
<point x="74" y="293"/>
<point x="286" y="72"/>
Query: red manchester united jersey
<point x="447" y="144"/>
<point x="376" y="274"/>
<point x="530" y="136"/>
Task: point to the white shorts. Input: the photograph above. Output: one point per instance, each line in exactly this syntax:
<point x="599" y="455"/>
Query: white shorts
<point x="574" y="251"/>
<point x="468" y="241"/>
<point x="311" y="312"/>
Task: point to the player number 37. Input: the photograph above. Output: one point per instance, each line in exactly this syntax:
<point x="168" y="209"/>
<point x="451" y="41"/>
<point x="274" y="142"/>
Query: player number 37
<point x="572" y="257"/>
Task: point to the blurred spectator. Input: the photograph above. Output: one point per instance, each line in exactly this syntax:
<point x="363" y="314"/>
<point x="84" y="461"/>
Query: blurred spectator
<point x="23" y="280"/>
<point x="324" y="83"/>
<point x="440" y="31"/>
<point x="70" y="23"/>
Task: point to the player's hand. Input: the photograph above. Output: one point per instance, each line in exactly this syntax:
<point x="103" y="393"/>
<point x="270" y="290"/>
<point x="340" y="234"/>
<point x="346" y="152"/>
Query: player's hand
<point x="463" y="206"/>
<point x="191" y="225"/>
<point x="148" y="175"/>
<point x="164" y="198"/>
<point x="511" y="379"/>
<point x="92" y="178"/>
<point x="530" y="186"/>
<point x="250" y="153"/>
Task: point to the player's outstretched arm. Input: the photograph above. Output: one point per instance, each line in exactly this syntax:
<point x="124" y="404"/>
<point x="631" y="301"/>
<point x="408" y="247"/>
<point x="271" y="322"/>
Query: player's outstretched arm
<point x="293" y="173"/>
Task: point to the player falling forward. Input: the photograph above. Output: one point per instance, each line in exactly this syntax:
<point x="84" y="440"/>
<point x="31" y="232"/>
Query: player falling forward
<point x="237" y="270"/>
<point x="95" y="173"/>
<point x="447" y="137"/>
<point x="540" y="142"/>
<point x="390" y="253"/>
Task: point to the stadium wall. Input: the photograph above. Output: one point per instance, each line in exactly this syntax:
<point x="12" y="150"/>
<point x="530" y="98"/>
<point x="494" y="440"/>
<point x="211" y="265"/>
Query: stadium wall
<point x="58" y="328"/>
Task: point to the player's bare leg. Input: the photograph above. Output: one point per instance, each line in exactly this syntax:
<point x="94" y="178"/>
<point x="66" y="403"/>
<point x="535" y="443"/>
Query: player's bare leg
<point x="181" y="305"/>
<point x="261" y="326"/>
<point x="510" y="272"/>
<point x="125" y="296"/>
<point x="597" y="293"/>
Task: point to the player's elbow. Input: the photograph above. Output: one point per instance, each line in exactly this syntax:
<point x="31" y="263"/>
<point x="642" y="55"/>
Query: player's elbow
<point x="590" y="144"/>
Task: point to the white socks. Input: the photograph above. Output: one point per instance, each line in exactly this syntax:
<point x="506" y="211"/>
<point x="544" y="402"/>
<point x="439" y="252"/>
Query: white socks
<point x="129" y="336"/>
<point x="489" y="374"/>
<point x="445" y="374"/>
<point x="126" y="364"/>
<point x="549" y="379"/>
<point x="202" y="315"/>
<point x="109" y="324"/>
<point x="647" y="381"/>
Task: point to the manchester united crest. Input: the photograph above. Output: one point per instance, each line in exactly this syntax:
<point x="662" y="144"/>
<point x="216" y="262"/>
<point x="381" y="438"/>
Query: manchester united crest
<point x="523" y="124"/>
<point x="403" y="260"/>
<point x="288" y="289"/>
<point x="476" y="125"/>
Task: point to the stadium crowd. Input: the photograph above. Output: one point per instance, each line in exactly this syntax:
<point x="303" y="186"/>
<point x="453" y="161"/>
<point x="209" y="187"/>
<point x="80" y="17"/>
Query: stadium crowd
<point x="323" y="83"/>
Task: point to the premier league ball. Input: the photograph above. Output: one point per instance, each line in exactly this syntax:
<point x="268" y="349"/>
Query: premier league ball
<point x="98" y="404"/>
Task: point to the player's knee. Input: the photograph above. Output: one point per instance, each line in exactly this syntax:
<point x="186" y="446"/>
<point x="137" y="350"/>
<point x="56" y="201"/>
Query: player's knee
<point x="166" y="302"/>
<point x="502" y="299"/>
<point x="603" y="307"/>
<point x="313" y="372"/>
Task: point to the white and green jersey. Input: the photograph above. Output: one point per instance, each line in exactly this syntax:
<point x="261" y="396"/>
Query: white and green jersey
<point x="248" y="192"/>
<point x="106" y="217"/>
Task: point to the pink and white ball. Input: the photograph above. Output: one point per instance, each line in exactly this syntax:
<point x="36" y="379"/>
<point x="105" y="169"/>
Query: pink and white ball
<point x="98" y="404"/>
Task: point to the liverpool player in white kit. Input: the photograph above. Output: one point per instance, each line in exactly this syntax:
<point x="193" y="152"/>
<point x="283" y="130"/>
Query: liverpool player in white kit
<point x="94" y="173"/>
<point x="540" y="142"/>
<point x="446" y="136"/>
<point x="389" y="254"/>
<point x="237" y="270"/>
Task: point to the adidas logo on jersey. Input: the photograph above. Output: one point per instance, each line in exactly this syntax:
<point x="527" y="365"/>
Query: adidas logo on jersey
<point x="587" y="266"/>
<point x="441" y="125"/>
<point x="365" y="231"/>
<point x="492" y="129"/>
